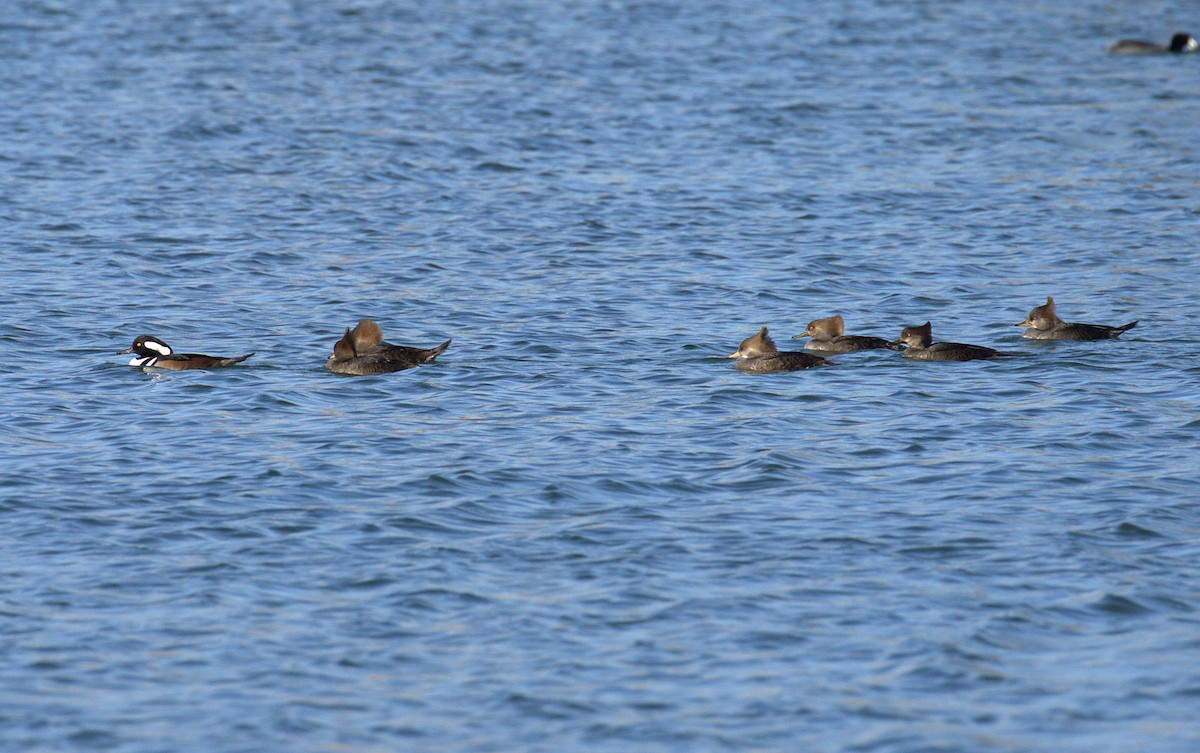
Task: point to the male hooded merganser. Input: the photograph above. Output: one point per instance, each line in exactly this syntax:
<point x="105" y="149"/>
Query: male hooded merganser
<point x="1044" y="324"/>
<point x="827" y="337"/>
<point x="921" y="346"/>
<point x="1181" y="42"/>
<point x="759" y="354"/>
<point x="150" y="351"/>
<point x="362" y="351"/>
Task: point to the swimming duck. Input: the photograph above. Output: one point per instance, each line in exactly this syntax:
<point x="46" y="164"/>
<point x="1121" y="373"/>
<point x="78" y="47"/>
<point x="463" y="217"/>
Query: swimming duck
<point x="151" y="351"/>
<point x="1044" y="324"/>
<point x="362" y="351"/>
<point x="921" y="346"/>
<point x="827" y="337"/>
<point x="1181" y="42"/>
<point x="759" y="354"/>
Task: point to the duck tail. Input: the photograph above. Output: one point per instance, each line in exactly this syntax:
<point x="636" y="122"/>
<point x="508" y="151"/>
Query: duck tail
<point x="232" y="361"/>
<point x="1118" y="331"/>
<point x="427" y="356"/>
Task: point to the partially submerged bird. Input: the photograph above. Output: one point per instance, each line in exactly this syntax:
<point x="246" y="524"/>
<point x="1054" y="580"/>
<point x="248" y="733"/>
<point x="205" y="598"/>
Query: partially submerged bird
<point x="827" y="337"/>
<point x="1179" y="43"/>
<point x="921" y="346"/>
<point x="1044" y="324"/>
<point x="362" y="351"/>
<point x="759" y="354"/>
<point x="151" y="351"/>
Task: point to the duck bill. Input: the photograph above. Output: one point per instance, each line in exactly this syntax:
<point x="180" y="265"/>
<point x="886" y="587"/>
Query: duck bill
<point x="734" y="354"/>
<point x="899" y="344"/>
<point x="123" y="352"/>
<point x="1025" y="323"/>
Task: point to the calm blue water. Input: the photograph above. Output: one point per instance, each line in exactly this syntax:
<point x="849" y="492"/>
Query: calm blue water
<point x="581" y="529"/>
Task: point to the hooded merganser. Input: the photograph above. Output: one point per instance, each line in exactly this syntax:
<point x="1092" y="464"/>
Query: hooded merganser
<point x="362" y="351"/>
<point x="921" y="346"/>
<point x="1044" y="324"/>
<point x="1181" y="42"/>
<point x="827" y="337"/>
<point x="150" y="351"/>
<point x="759" y="354"/>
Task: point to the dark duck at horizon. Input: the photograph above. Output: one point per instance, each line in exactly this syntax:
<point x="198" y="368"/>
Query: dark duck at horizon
<point x="1043" y="324"/>
<point x="921" y="346"/>
<point x="758" y="354"/>
<point x="362" y="351"/>
<point x="149" y="351"/>
<point x="828" y="336"/>
<point x="1180" y="43"/>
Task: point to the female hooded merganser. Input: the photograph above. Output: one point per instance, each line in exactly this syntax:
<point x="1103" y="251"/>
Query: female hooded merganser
<point x="150" y="351"/>
<point x="921" y="346"/>
<point x="759" y="354"/>
<point x="362" y="351"/>
<point x="1044" y="324"/>
<point x="827" y="337"/>
<point x="1181" y="42"/>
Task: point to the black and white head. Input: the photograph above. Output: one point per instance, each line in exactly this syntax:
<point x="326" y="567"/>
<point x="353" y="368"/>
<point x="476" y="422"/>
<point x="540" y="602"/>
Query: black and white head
<point x="147" y="349"/>
<point x="1182" y="42"/>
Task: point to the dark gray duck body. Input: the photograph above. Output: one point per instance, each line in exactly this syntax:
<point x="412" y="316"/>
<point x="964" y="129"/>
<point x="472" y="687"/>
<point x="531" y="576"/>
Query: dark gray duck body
<point x="362" y="351"/>
<point x="1043" y="324"/>
<point x="828" y="336"/>
<point x="922" y="347"/>
<point x="758" y="354"/>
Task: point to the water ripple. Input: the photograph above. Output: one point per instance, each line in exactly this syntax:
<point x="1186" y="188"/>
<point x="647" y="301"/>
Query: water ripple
<point x="582" y="528"/>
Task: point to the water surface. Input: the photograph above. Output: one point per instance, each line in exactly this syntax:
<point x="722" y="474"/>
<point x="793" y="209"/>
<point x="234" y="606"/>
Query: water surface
<point x="581" y="529"/>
